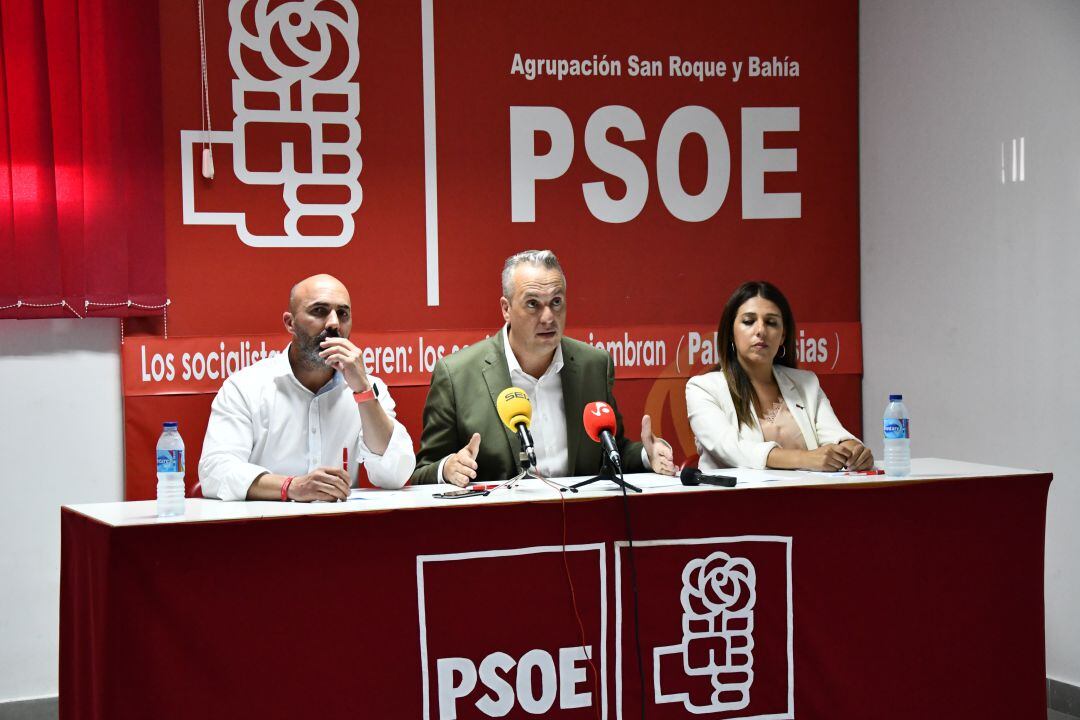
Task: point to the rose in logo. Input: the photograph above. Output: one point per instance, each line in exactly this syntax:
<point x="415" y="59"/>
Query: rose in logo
<point x="717" y="584"/>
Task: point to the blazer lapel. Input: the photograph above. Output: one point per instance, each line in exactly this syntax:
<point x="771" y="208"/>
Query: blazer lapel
<point x="573" y="405"/>
<point x="796" y="406"/>
<point x="497" y="377"/>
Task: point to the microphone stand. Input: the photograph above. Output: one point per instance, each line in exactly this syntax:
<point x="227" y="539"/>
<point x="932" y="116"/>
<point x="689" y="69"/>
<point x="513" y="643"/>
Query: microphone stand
<point x="610" y="472"/>
<point x="527" y="459"/>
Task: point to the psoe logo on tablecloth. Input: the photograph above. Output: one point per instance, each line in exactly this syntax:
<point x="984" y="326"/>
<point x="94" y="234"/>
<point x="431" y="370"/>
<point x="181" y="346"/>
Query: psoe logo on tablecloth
<point x="717" y="641"/>
<point x="726" y="605"/>
<point x="499" y="635"/>
<point x="294" y="63"/>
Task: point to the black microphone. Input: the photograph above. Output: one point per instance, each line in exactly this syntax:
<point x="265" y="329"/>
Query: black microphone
<point x="692" y="476"/>
<point x="527" y="443"/>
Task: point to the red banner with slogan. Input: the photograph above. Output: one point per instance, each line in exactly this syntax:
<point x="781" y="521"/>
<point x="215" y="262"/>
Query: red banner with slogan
<point x="156" y="366"/>
<point x="666" y="155"/>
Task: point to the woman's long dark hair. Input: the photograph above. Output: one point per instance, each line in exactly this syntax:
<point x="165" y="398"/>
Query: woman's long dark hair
<point x="742" y="390"/>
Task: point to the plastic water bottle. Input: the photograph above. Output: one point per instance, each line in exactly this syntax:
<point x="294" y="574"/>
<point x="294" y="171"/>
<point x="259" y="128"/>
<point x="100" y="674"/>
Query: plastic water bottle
<point x="897" y="438"/>
<point x="170" y="472"/>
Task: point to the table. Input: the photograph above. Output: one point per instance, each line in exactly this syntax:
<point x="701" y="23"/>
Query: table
<point x="792" y="595"/>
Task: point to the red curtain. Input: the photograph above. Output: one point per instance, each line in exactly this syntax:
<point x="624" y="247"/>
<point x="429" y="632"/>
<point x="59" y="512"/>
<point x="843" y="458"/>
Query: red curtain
<point x="81" y="186"/>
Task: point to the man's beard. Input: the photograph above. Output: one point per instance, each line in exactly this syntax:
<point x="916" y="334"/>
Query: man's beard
<point x="309" y="347"/>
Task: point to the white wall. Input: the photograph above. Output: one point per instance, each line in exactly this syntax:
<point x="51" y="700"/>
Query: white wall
<point x="60" y="442"/>
<point x="970" y="287"/>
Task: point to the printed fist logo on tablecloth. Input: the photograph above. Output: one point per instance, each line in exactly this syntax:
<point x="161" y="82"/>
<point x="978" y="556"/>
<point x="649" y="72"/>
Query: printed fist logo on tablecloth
<point x="716" y="623"/>
<point x="294" y="64"/>
<point x="717" y="645"/>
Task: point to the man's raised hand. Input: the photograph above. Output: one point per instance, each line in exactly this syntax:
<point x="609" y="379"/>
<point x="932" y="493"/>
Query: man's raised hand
<point x="661" y="458"/>
<point x="460" y="468"/>
<point x="340" y="354"/>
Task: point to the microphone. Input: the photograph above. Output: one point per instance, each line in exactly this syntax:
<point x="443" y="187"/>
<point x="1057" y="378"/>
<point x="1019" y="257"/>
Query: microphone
<point x="599" y="421"/>
<point x="692" y="476"/>
<point x="515" y="411"/>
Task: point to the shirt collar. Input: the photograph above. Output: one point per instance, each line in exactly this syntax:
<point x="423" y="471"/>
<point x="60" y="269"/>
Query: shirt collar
<point x="513" y="365"/>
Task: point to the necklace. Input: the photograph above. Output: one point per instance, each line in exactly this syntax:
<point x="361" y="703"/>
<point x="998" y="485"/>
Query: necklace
<point x="770" y="415"/>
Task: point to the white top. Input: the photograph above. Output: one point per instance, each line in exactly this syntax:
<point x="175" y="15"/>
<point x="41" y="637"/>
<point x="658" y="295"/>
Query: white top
<point x="143" y="512"/>
<point x="722" y="442"/>
<point x="264" y="420"/>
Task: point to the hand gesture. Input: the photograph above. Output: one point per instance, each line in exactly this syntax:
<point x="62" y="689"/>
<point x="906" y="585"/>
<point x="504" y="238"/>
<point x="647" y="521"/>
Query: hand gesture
<point x="340" y="354"/>
<point x="861" y="457"/>
<point x="828" y="458"/>
<point x="661" y="458"/>
<point x="328" y="484"/>
<point x="460" y="468"/>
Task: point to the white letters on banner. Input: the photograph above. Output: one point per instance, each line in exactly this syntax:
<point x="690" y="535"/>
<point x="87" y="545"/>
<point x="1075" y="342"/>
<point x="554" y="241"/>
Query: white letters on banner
<point x="618" y="161"/>
<point x="527" y="167"/>
<point x="758" y="160"/>
<point x="540" y="677"/>
<point x="693" y="120"/>
<point x="457" y="678"/>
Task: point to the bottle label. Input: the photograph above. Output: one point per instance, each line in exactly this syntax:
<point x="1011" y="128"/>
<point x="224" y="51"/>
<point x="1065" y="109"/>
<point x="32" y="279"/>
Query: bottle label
<point x="896" y="429"/>
<point x="170" y="461"/>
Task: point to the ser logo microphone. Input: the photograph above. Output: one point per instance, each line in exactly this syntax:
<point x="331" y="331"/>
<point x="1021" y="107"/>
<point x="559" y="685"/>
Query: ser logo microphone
<point x="515" y="411"/>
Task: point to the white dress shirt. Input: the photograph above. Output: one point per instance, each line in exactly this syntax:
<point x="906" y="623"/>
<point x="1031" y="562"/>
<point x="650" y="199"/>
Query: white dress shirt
<point x="548" y="425"/>
<point x="264" y="420"/>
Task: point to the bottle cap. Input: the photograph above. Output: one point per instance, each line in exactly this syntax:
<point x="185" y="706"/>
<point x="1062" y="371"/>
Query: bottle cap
<point x="170" y="425"/>
<point x="892" y="398"/>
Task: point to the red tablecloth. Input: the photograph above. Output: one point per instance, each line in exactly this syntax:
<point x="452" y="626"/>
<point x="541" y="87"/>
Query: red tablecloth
<point x="915" y="600"/>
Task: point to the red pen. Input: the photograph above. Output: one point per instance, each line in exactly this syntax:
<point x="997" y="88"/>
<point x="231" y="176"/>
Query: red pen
<point x="875" y="471"/>
<point x="345" y="458"/>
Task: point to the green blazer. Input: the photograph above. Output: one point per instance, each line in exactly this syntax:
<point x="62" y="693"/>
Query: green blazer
<point x="461" y="401"/>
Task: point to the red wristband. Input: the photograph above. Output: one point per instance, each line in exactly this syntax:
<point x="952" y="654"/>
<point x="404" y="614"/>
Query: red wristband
<point x="285" y="488"/>
<point x="369" y="394"/>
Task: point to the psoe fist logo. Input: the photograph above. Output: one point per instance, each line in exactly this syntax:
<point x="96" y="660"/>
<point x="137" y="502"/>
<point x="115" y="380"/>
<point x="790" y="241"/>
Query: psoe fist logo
<point x="294" y="129"/>
<point x="719" y="613"/>
<point x="499" y="636"/>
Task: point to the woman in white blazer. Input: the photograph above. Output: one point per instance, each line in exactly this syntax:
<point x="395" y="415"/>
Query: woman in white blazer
<point x="755" y="409"/>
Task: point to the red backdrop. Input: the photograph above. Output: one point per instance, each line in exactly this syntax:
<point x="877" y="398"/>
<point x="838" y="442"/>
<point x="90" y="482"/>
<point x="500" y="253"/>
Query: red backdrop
<point x="341" y="141"/>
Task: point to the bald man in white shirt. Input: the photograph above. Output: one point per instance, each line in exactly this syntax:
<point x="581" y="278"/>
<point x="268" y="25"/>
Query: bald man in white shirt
<point x="281" y="428"/>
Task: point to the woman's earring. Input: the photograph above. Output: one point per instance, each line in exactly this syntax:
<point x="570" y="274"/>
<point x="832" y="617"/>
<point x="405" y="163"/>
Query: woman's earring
<point x="783" y="351"/>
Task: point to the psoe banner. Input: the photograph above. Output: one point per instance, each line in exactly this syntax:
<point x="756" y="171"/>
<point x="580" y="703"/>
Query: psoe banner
<point x="177" y="366"/>
<point x="713" y="618"/>
<point x="554" y="663"/>
<point x="719" y="616"/>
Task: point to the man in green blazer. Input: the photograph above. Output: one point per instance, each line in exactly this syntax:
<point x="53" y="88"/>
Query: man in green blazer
<point x="463" y="438"/>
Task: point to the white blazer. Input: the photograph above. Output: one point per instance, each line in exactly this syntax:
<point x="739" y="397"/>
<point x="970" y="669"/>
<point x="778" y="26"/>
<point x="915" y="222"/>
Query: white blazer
<point x="721" y="442"/>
